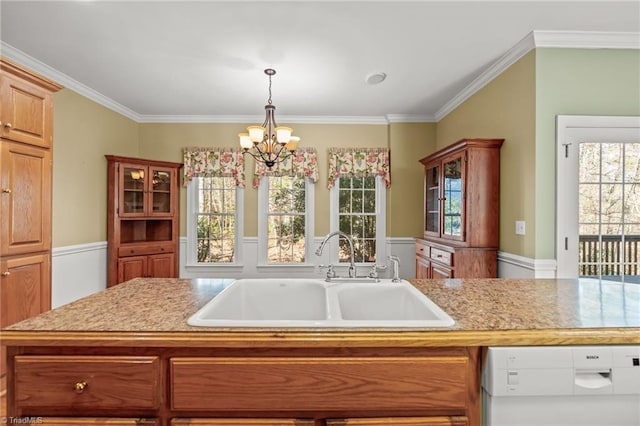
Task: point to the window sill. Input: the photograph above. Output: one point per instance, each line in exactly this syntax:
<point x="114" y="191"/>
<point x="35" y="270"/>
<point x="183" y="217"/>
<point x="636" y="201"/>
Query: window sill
<point x="287" y="267"/>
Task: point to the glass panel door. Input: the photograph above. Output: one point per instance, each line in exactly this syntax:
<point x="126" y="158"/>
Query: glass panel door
<point x="160" y="191"/>
<point x="452" y="200"/>
<point x="609" y="211"/>
<point x="133" y="187"/>
<point x="432" y="200"/>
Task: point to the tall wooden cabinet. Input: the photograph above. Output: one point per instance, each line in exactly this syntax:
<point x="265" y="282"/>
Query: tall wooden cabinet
<point x="26" y="141"/>
<point x="143" y="219"/>
<point x="461" y="211"/>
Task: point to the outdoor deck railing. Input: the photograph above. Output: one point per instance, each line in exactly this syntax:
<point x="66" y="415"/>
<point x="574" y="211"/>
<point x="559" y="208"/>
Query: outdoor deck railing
<point x="611" y="249"/>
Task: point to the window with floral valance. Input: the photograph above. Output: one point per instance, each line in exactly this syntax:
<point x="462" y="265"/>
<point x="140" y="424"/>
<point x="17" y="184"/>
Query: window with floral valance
<point x="358" y="162"/>
<point x="213" y="162"/>
<point x="303" y="163"/>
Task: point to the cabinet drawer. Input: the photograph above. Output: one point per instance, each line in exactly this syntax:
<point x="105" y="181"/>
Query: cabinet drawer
<point x="318" y="384"/>
<point x="145" y="249"/>
<point x="83" y="382"/>
<point x="94" y="421"/>
<point x="423" y="250"/>
<point x="441" y="256"/>
<point x="241" y="422"/>
<point x="401" y="421"/>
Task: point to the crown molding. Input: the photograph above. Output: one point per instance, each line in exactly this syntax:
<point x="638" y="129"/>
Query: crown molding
<point x="410" y="118"/>
<point x="51" y="73"/>
<point x="244" y="119"/>
<point x="587" y="39"/>
<point x="535" y="39"/>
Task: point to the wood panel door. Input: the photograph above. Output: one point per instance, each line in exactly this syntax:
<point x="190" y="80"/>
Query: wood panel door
<point x="27" y="112"/>
<point x="161" y="265"/>
<point x="401" y="421"/>
<point x="25" y="198"/>
<point x="132" y="267"/>
<point x="25" y="290"/>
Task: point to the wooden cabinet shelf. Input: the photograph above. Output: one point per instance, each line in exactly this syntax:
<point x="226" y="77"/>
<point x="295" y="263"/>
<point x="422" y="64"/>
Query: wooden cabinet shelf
<point x="461" y="211"/>
<point x="143" y="219"/>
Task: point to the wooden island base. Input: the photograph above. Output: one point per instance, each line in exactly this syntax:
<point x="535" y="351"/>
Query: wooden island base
<point x="246" y="386"/>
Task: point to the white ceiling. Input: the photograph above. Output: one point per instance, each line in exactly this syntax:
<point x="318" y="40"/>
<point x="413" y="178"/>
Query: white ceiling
<point x="206" y="58"/>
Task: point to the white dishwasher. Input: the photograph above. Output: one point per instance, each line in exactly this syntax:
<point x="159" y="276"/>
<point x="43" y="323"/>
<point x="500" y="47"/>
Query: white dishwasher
<point x="561" y="386"/>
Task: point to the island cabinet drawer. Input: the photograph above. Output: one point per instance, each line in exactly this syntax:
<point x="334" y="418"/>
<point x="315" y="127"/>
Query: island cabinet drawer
<point x="95" y="421"/>
<point x="87" y="382"/>
<point x="401" y="421"/>
<point x="241" y="422"/>
<point x="441" y="256"/>
<point x="319" y="383"/>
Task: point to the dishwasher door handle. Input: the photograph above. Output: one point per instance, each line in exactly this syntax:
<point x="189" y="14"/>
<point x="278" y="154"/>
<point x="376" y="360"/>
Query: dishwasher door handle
<point x="593" y="379"/>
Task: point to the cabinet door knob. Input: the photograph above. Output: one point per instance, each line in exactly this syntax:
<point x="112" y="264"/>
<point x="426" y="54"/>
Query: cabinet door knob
<point x="8" y="125"/>
<point x="80" y="387"/>
<point x="6" y="274"/>
<point x="6" y="190"/>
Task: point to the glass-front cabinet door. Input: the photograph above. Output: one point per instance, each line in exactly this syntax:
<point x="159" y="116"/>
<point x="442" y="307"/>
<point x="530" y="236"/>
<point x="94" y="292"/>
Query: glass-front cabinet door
<point x="145" y="191"/>
<point x="452" y="197"/>
<point x="133" y="190"/>
<point x="161" y="180"/>
<point x="432" y="200"/>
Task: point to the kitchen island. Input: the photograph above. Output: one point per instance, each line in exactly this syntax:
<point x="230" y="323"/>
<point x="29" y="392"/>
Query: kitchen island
<point x="129" y="353"/>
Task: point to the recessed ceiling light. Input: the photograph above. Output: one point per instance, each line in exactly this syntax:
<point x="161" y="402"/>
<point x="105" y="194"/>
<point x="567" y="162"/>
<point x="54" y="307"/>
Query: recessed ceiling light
<point x="376" y="78"/>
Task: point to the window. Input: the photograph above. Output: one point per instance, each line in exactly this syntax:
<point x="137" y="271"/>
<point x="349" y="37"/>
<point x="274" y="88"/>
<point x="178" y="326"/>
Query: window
<point x="213" y="221"/>
<point x="285" y="211"/>
<point x="358" y="206"/>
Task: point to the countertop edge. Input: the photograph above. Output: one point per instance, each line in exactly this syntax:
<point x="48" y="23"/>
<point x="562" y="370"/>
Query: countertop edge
<point x="322" y="338"/>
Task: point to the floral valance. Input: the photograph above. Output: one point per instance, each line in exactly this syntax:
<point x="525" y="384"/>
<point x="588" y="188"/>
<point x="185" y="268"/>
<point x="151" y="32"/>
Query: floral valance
<point x="303" y="163"/>
<point x="213" y="162"/>
<point x="358" y="162"/>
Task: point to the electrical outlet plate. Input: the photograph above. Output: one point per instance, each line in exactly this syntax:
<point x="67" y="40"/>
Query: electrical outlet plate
<point x="520" y="227"/>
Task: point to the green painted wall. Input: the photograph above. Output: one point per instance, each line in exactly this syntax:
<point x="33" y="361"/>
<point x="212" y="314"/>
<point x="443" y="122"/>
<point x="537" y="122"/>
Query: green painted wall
<point x="575" y="82"/>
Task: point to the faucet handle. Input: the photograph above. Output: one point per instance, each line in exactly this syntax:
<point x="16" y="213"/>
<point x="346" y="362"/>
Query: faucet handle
<point x="373" y="273"/>
<point x="331" y="273"/>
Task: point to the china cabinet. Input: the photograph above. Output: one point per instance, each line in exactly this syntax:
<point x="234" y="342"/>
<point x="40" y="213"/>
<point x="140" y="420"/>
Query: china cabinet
<point x="26" y="140"/>
<point x="143" y="219"/>
<point x="461" y="211"/>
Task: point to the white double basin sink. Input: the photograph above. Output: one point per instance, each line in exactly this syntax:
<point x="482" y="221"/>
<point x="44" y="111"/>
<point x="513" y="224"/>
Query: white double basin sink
<point x="316" y="303"/>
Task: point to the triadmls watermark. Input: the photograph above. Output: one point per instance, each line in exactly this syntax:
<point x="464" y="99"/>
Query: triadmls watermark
<point x="21" y="420"/>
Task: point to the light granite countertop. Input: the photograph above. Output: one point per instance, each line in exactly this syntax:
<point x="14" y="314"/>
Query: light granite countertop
<point x="486" y="311"/>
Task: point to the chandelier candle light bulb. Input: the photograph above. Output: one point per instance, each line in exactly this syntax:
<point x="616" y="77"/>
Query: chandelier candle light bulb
<point x="269" y="143"/>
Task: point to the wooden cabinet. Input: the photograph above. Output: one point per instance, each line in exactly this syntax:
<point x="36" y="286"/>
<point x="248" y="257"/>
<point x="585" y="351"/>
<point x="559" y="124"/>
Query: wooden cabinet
<point x="25" y="181"/>
<point x="26" y="138"/>
<point x="209" y="386"/>
<point x="26" y="106"/>
<point x="242" y="422"/>
<point x="401" y="421"/>
<point x="143" y="219"/>
<point x="74" y="384"/>
<point x="461" y="211"/>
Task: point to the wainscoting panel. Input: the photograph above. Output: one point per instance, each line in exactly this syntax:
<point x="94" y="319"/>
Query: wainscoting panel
<point x="77" y="271"/>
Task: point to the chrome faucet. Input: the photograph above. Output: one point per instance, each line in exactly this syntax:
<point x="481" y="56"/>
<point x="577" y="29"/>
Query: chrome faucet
<point x="395" y="260"/>
<point x="352" y="266"/>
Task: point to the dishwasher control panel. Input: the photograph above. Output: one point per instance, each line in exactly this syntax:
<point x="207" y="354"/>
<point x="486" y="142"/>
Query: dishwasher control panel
<point x="562" y="370"/>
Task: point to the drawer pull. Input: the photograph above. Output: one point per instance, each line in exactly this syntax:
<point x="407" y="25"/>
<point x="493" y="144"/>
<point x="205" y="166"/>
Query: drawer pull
<point x="6" y="274"/>
<point x="80" y="387"/>
<point x="8" y="125"/>
<point x="6" y="190"/>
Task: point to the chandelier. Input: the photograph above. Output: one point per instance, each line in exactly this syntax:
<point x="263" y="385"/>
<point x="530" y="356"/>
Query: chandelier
<point x="269" y="143"/>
